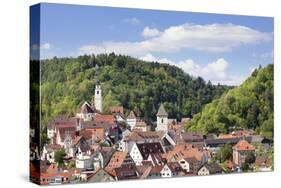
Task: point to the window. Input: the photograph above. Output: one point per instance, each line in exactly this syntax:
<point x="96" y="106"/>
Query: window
<point x="162" y="120"/>
<point x="98" y="92"/>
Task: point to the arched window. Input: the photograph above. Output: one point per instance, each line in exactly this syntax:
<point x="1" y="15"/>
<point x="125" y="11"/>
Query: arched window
<point x="162" y="120"/>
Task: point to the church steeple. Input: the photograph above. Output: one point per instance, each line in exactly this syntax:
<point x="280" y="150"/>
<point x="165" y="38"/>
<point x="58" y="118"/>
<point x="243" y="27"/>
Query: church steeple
<point x="162" y="119"/>
<point x="98" y="93"/>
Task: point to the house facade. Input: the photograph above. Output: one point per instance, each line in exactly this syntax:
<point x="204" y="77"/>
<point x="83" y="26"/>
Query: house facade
<point x="240" y="152"/>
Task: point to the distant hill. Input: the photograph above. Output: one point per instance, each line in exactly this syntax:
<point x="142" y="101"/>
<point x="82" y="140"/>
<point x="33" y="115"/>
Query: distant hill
<point x="250" y="106"/>
<point x="137" y="85"/>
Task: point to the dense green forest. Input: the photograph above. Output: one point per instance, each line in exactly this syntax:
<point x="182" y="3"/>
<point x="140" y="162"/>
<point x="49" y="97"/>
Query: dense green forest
<point x="137" y="85"/>
<point x="248" y="106"/>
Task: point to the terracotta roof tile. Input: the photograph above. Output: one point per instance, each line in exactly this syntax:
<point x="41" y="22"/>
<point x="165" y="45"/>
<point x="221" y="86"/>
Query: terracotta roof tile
<point x="243" y="145"/>
<point x="116" y="160"/>
<point x="116" y="109"/>
<point x="105" y="118"/>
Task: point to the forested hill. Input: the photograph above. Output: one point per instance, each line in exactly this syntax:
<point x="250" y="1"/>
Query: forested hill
<point x="248" y="106"/>
<point x="137" y="85"/>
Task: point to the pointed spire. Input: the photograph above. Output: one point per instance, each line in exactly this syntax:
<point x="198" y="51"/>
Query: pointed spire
<point x="131" y="115"/>
<point x="162" y="111"/>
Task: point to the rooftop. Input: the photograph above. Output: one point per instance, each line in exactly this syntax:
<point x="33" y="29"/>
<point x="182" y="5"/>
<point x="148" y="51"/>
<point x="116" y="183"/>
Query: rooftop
<point x="243" y="145"/>
<point x="162" y="111"/>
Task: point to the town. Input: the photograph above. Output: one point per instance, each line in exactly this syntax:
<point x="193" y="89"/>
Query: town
<point x="96" y="147"/>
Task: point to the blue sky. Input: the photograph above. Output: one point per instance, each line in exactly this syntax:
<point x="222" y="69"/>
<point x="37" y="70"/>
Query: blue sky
<point x="220" y="48"/>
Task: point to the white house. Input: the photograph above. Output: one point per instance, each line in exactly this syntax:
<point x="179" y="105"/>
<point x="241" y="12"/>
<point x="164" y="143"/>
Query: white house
<point x="98" y="161"/>
<point x="87" y="113"/>
<point x="184" y="164"/>
<point x="128" y="140"/>
<point x="188" y="164"/>
<point x="84" y="163"/>
<point x="64" y="135"/>
<point x="142" y="151"/>
<point x="166" y="172"/>
<point x="136" y="155"/>
<point x="84" y="158"/>
<point x="141" y="125"/>
<point x="171" y="169"/>
<point x="50" y="133"/>
<point x="209" y="168"/>
<point x="48" y="152"/>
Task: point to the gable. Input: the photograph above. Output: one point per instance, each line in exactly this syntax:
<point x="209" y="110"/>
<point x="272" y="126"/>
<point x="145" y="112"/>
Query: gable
<point x="204" y="170"/>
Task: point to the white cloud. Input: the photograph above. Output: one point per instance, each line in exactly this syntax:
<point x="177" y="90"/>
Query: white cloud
<point x="214" y="71"/>
<point x="150" y="57"/>
<point x="150" y="32"/>
<point x="133" y="21"/>
<point x="210" y="38"/>
<point x="45" y="46"/>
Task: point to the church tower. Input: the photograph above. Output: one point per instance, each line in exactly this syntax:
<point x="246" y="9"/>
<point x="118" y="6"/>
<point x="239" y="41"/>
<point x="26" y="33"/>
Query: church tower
<point x="98" y="97"/>
<point x="98" y="91"/>
<point x="162" y="119"/>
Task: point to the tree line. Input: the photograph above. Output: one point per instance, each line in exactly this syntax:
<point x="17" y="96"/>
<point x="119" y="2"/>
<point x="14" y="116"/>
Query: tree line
<point x="135" y="84"/>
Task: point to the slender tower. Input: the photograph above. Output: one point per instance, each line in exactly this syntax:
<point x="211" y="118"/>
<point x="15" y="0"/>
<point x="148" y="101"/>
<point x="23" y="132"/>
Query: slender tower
<point x="98" y="97"/>
<point x="162" y="119"/>
<point x="98" y="92"/>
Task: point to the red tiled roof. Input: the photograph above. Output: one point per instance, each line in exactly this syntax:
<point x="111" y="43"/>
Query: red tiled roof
<point x="141" y="123"/>
<point x="133" y="136"/>
<point x="96" y="133"/>
<point x="52" y="168"/>
<point x="63" y="131"/>
<point x="49" y="175"/>
<point x="105" y="118"/>
<point x="116" y="160"/>
<point x="243" y="145"/>
<point x="116" y="109"/>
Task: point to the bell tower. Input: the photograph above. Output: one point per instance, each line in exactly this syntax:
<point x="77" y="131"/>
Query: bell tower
<point x="98" y="97"/>
<point x="162" y="119"/>
<point x="98" y="91"/>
